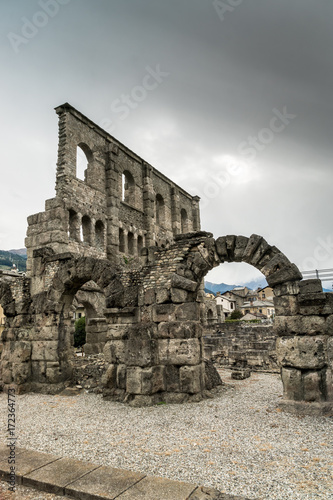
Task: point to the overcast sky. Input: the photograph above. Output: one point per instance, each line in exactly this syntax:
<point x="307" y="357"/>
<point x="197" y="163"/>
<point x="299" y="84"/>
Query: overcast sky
<point x="231" y="100"/>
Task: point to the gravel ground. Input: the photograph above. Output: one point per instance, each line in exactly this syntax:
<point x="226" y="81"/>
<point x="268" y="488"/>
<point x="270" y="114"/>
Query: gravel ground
<point x="239" y="442"/>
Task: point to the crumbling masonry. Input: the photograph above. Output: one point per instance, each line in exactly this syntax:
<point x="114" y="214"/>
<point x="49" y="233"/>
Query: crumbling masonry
<point x="127" y="240"/>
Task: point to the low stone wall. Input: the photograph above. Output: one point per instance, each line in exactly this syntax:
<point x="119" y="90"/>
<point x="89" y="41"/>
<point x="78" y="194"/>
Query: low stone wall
<point x="228" y="343"/>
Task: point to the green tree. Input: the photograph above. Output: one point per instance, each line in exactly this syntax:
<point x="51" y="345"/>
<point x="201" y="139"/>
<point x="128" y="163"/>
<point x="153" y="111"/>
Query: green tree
<point x="236" y="314"/>
<point x="80" y="332"/>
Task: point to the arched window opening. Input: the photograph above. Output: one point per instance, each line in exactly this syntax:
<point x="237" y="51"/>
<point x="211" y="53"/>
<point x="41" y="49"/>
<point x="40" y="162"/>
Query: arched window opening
<point x="83" y="159"/>
<point x="99" y="234"/>
<point x="74" y="226"/>
<point x="130" y="239"/>
<point x="86" y="229"/>
<point x="128" y="188"/>
<point x="140" y="244"/>
<point x="210" y="316"/>
<point x="242" y="296"/>
<point x="121" y="240"/>
<point x="160" y="209"/>
<point x="184" y="221"/>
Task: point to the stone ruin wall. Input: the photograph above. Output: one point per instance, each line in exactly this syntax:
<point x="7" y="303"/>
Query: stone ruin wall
<point x="94" y="217"/>
<point x="151" y="325"/>
<point x="227" y="344"/>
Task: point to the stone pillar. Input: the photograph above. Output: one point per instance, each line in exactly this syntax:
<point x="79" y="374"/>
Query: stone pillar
<point x="148" y="204"/>
<point x="196" y="213"/>
<point x="175" y="211"/>
<point x="304" y="325"/>
<point x="113" y="183"/>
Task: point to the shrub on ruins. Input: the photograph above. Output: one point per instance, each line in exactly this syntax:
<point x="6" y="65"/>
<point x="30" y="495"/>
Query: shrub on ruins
<point x="80" y="332"/>
<point x="236" y="314"/>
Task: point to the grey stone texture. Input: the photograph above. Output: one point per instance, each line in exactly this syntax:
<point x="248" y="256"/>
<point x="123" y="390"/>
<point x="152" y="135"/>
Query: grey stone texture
<point x="126" y="241"/>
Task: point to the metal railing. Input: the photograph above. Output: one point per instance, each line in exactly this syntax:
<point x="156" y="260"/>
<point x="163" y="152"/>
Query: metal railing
<point x="320" y="274"/>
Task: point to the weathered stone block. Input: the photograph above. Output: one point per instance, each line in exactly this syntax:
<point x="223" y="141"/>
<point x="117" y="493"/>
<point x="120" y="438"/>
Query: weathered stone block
<point x="149" y="297"/>
<point x="310" y="286"/>
<point x="178" y="295"/>
<point x="134" y="380"/>
<point x="291" y="273"/>
<point x="45" y="351"/>
<point x="292" y="384"/>
<point x="162" y="295"/>
<point x="187" y="312"/>
<point x="179" y="330"/>
<point x="178" y="281"/>
<point x="313" y="385"/>
<point x="179" y="352"/>
<point x="260" y="251"/>
<point x="121" y="376"/>
<point x="287" y="288"/>
<point x="190" y="379"/>
<point x="240" y="246"/>
<point x="306" y="353"/>
<point x="221" y="248"/>
<point x="163" y="312"/>
<point x="299" y="325"/>
<point x="275" y="264"/>
<point x="140" y="351"/>
<point x="115" y="351"/>
<point x="251" y="247"/>
<point x="171" y="375"/>
<point x="152" y="380"/>
<point x="329" y="327"/>
<point x="286" y="305"/>
<point x="109" y="379"/>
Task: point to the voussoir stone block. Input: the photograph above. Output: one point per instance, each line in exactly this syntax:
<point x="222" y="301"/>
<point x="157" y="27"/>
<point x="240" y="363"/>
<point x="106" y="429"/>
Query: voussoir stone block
<point x="221" y="248"/>
<point x="276" y="263"/>
<point x="240" y="246"/>
<point x="306" y="353"/>
<point x="286" y="274"/>
<point x="179" y="352"/>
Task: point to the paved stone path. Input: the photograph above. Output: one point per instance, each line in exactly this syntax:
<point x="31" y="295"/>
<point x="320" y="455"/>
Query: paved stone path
<point x="86" y="481"/>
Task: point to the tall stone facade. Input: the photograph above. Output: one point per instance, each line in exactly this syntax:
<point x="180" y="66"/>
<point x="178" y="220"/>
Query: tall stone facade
<point x="122" y="206"/>
<point x="148" y="302"/>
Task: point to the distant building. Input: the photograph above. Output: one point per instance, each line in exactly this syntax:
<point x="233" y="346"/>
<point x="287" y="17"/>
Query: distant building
<point x="265" y="293"/>
<point x="227" y="305"/>
<point x="261" y="308"/>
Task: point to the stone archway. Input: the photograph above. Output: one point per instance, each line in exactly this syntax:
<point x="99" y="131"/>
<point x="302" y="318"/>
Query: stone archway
<point x="152" y="322"/>
<point x="169" y="333"/>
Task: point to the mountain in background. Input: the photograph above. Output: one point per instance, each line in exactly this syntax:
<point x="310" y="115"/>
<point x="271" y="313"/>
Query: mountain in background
<point x="253" y="285"/>
<point x="7" y="259"/>
<point x="20" y="251"/>
<point x="223" y="287"/>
